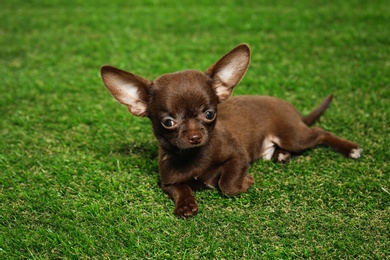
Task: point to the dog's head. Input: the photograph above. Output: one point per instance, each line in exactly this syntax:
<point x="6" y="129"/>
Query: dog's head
<point x="183" y="105"/>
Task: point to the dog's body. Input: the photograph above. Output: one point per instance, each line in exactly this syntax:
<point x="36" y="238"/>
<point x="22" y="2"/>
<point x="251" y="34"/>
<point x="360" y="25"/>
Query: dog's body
<point x="197" y="150"/>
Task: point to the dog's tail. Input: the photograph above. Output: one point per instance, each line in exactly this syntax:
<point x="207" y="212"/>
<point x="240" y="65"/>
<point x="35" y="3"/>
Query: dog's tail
<point x="316" y="113"/>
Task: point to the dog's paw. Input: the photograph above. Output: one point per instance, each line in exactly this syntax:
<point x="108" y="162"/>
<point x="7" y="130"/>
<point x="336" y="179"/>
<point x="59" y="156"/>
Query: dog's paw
<point x="235" y="188"/>
<point x="187" y="208"/>
<point x="281" y="156"/>
<point x="248" y="181"/>
<point x="356" y="153"/>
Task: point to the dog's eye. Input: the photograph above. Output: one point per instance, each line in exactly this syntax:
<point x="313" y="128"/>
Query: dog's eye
<point x="169" y="123"/>
<point x="210" y="115"/>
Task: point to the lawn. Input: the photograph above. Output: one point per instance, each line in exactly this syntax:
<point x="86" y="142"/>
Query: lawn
<point x="78" y="173"/>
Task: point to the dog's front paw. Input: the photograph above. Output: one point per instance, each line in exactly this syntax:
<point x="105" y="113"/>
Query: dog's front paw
<point x="247" y="183"/>
<point x="236" y="187"/>
<point x="186" y="208"/>
<point x="356" y="153"/>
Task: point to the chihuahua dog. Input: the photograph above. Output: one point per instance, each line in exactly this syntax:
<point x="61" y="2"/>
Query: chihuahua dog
<point x="207" y="140"/>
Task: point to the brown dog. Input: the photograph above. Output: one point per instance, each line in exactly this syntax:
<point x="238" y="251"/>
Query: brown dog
<point x="197" y="150"/>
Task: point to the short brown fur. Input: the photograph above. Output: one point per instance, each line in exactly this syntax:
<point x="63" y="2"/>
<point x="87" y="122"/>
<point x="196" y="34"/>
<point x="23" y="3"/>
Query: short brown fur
<point x="207" y="139"/>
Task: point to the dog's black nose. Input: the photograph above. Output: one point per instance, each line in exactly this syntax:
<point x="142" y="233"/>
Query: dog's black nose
<point x="195" y="138"/>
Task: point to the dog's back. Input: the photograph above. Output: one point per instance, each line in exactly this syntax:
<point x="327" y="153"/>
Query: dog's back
<point x="257" y="121"/>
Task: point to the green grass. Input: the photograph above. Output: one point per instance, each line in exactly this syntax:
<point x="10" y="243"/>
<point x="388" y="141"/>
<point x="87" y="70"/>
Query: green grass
<point x="78" y="173"/>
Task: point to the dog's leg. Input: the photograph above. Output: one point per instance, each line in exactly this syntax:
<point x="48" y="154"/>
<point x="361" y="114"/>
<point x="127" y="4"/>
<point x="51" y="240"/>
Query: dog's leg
<point x="343" y="146"/>
<point x="234" y="177"/>
<point x="185" y="203"/>
<point x="301" y="137"/>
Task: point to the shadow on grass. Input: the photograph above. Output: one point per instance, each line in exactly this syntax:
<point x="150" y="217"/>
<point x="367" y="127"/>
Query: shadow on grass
<point x="147" y="150"/>
<point x="142" y="154"/>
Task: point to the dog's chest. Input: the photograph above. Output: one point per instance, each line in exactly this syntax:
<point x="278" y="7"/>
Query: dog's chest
<point x="202" y="169"/>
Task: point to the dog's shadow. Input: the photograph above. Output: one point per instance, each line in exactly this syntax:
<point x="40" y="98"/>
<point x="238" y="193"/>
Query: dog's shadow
<point x="139" y="153"/>
<point x="147" y="150"/>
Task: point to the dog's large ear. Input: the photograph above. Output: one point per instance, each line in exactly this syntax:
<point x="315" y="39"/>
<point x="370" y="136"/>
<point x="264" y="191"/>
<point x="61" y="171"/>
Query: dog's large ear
<point x="229" y="70"/>
<point x="129" y="89"/>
